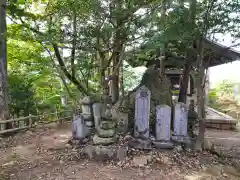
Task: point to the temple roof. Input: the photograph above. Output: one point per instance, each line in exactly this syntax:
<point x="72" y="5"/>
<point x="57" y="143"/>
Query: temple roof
<point x="222" y="54"/>
<point x="217" y="54"/>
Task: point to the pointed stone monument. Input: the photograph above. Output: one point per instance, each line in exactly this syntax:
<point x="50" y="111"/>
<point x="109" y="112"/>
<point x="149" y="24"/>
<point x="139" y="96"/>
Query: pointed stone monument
<point x="141" y="138"/>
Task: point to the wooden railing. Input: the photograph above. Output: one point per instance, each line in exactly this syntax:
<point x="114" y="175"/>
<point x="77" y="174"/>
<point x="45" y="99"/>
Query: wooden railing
<point x="34" y="120"/>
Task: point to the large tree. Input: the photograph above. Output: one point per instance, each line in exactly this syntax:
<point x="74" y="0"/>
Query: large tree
<point x="4" y="112"/>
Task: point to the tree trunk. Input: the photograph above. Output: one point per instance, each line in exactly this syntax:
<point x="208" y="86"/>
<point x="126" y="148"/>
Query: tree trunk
<point x="200" y="94"/>
<point x="121" y="81"/>
<point x="4" y="111"/>
<point x="184" y="84"/>
<point x="116" y="66"/>
<point x="163" y="50"/>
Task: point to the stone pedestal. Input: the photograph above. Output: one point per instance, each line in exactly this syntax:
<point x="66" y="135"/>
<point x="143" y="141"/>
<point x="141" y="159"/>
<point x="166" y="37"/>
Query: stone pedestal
<point x="143" y="144"/>
<point x="105" y="153"/>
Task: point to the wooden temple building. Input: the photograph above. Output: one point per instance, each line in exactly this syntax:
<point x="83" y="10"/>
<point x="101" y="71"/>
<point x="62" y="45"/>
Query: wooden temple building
<point x="217" y="54"/>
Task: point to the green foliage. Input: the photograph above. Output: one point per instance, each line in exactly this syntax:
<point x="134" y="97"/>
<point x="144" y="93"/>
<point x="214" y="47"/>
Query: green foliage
<point x="21" y="91"/>
<point x="59" y="47"/>
<point x="222" y="98"/>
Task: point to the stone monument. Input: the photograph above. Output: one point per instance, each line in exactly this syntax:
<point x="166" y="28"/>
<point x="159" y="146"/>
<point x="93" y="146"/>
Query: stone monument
<point x="142" y="111"/>
<point x="181" y="123"/>
<point x="98" y="111"/>
<point x="87" y="112"/>
<point x="79" y="129"/>
<point x="163" y="127"/>
<point x="106" y="130"/>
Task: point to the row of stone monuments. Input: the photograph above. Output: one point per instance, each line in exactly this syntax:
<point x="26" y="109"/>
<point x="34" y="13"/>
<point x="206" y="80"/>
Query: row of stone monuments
<point x="95" y="115"/>
<point x="163" y="137"/>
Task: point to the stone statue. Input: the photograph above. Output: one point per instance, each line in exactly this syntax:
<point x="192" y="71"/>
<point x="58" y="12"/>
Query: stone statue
<point x="79" y="129"/>
<point x="106" y="130"/>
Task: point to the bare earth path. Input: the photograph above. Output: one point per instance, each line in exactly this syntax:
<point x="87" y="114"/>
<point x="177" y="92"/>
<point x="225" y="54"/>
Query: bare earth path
<point x="37" y="154"/>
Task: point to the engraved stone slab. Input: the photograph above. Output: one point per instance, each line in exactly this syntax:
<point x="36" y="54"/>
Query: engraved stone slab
<point x="142" y="112"/>
<point x="79" y="129"/>
<point x="180" y="119"/>
<point x="163" y="123"/>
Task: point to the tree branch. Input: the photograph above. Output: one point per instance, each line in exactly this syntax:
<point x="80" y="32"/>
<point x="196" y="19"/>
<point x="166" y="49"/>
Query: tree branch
<point x="74" y="43"/>
<point x="61" y="77"/>
<point x="67" y="74"/>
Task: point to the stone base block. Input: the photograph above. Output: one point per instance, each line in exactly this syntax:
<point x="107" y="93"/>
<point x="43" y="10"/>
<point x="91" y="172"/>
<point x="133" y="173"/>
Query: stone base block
<point x="104" y="141"/>
<point x="181" y="139"/>
<point x="163" y="144"/>
<point x="104" y="153"/>
<point x="140" y="144"/>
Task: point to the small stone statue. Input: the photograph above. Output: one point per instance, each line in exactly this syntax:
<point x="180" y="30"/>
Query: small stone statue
<point x="79" y="129"/>
<point x="106" y="130"/>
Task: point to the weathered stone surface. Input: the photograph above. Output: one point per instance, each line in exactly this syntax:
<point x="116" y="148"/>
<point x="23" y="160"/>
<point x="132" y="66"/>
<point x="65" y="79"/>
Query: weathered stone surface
<point x="89" y="151"/>
<point x="163" y="144"/>
<point x="180" y="119"/>
<point x="238" y="127"/>
<point x="140" y="144"/>
<point x="87" y="111"/>
<point x="122" y="122"/>
<point x="163" y="159"/>
<point x="106" y="133"/>
<point x="89" y="123"/>
<point x="152" y="81"/>
<point x="163" y="123"/>
<point x="104" y="141"/>
<point x="79" y="129"/>
<point x="192" y="119"/>
<point x="181" y="139"/>
<point x="140" y="161"/>
<point x="178" y="148"/>
<point x="142" y="110"/>
<point x="208" y="145"/>
<point x="181" y="123"/>
<point x="121" y="153"/>
<point x="105" y="152"/>
<point x="98" y="111"/>
<point x="107" y="125"/>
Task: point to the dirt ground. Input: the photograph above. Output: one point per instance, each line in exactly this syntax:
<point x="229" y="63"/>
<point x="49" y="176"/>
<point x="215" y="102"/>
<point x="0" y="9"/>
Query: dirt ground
<point x="39" y="154"/>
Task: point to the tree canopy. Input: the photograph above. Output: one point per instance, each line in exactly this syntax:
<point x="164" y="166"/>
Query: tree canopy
<point x="62" y="48"/>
